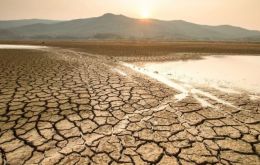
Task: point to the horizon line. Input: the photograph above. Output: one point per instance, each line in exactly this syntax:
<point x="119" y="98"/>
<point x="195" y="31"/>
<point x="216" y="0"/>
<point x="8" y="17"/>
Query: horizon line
<point x="64" y="20"/>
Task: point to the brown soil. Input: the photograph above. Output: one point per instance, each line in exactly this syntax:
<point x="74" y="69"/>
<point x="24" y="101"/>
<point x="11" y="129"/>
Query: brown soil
<point x="150" y="48"/>
<point x="60" y="106"/>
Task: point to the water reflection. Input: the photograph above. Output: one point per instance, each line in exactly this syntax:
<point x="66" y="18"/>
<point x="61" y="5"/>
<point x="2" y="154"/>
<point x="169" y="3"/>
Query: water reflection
<point x="6" y="46"/>
<point x="228" y="71"/>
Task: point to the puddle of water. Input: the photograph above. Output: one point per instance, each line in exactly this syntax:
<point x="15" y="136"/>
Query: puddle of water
<point x="228" y="71"/>
<point x="6" y="46"/>
<point x="232" y="71"/>
<point x="157" y="77"/>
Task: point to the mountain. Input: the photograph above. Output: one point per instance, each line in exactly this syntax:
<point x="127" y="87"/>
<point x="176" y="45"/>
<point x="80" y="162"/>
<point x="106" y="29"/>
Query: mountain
<point x="110" y="26"/>
<point x="6" y="34"/>
<point x="18" y="23"/>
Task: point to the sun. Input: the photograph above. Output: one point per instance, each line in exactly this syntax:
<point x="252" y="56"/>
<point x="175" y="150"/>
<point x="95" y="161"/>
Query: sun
<point x="145" y="13"/>
<point x="146" y="7"/>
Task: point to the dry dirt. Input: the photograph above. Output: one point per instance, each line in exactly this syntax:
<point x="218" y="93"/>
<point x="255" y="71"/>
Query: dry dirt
<point x="59" y="106"/>
<point x="148" y="48"/>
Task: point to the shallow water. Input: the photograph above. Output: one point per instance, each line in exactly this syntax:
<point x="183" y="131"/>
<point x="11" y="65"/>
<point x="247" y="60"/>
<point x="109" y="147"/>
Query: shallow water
<point x="226" y="71"/>
<point x="6" y="46"/>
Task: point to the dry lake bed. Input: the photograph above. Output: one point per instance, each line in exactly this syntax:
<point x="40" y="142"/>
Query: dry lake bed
<point x="65" y="106"/>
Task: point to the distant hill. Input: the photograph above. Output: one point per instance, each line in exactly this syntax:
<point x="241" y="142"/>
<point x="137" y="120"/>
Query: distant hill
<point x="6" y="34"/>
<point x="110" y="26"/>
<point x="18" y="23"/>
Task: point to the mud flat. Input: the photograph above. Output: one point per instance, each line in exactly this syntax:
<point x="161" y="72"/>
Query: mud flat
<point x="61" y="106"/>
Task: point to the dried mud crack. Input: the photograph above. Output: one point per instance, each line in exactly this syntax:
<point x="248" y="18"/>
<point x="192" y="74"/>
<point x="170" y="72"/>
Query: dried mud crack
<point x="60" y="106"/>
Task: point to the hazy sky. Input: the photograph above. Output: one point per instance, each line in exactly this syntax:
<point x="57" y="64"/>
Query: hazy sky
<point x="245" y="13"/>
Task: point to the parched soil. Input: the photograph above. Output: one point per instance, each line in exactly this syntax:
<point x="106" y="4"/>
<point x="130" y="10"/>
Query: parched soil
<point x="59" y="106"/>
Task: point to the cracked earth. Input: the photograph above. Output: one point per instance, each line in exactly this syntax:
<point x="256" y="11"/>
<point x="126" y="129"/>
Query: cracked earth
<point x="59" y="106"/>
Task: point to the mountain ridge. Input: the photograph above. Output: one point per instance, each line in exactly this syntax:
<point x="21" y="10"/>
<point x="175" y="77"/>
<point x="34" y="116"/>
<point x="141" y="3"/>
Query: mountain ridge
<point x="111" y="26"/>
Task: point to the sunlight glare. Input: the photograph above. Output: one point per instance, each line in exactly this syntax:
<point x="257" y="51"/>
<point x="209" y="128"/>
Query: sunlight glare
<point x="145" y="13"/>
<point x="146" y="8"/>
